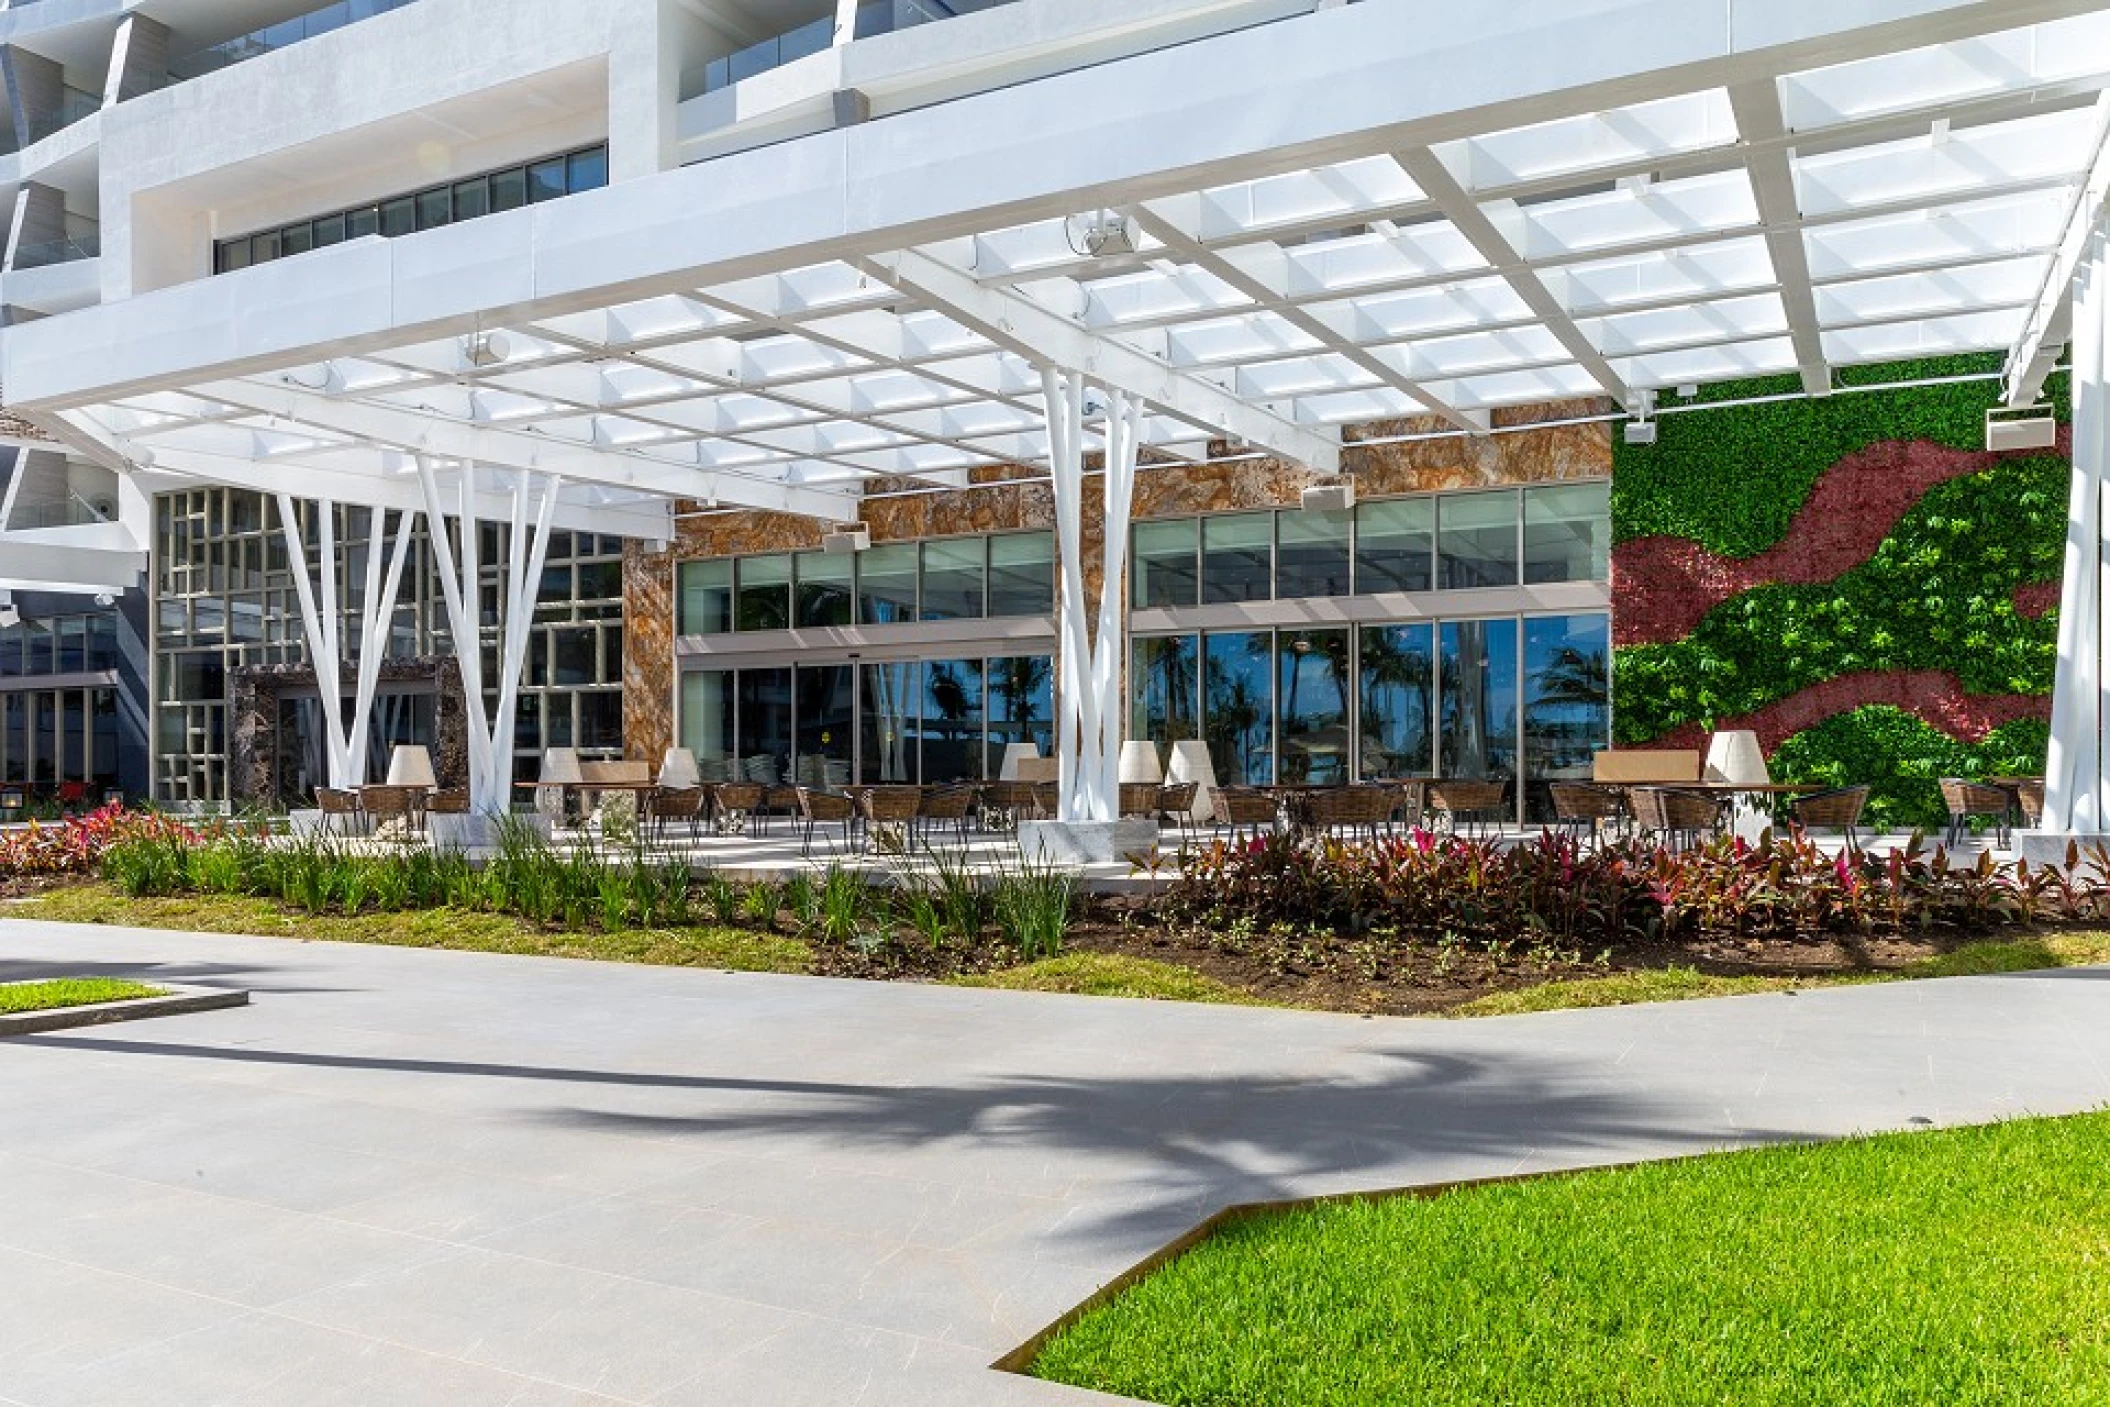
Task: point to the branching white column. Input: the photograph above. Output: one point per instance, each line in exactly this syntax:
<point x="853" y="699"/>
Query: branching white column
<point x="1088" y="694"/>
<point x="2076" y="778"/>
<point x="346" y="740"/>
<point x="490" y="732"/>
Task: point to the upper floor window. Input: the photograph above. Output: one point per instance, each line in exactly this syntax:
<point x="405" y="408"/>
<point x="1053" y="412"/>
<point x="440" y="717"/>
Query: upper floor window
<point x="956" y="578"/>
<point x="448" y="204"/>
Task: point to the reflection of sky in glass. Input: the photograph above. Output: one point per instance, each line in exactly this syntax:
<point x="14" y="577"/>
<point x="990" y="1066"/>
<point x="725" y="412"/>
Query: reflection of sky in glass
<point x="1567" y="710"/>
<point x="1315" y="670"/>
<point x="1479" y="698"/>
<point x="1239" y="708"/>
<point x="1398" y="675"/>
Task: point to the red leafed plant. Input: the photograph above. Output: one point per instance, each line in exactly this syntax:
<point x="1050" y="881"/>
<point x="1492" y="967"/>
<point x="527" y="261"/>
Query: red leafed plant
<point x="76" y="845"/>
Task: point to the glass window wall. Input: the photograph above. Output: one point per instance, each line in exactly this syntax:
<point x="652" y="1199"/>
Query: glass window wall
<point x="954" y="578"/>
<point x="1166" y="687"/>
<point x="1022" y="574"/>
<point x="886" y="580"/>
<point x="827" y="588"/>
<point x="1567" y="701"/>
<point x="1238" y="557"/>
<point x="1315" y="676"/>
<point x="1398" y="699"/>
<point x="1238" y="706"/>
<point x="1166" y="571"/>
<point x="952" y="721"/>
<point x="1312" y="555"/>
<point x="1021" y="706"/>
<point x="765" y="593"/>
<point x="1567" y="533"/>
<point x="1479" y="698"/>
<point x="1477" y="539"/>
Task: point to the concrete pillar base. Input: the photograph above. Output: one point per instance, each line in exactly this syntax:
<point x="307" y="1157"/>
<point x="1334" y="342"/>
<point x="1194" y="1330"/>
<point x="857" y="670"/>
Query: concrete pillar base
<point x="1087" y="842"/>
<point x="2050" y="847"/>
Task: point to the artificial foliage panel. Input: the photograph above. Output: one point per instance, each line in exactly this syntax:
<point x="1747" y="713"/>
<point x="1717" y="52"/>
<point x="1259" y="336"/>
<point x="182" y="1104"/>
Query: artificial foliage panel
<point x="1850" y="576"/>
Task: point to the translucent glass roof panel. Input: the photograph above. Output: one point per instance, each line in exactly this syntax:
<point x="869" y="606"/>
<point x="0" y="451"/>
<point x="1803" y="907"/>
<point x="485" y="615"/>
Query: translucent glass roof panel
<point x="1636" y="213"/>
<point x="1578" y="146"/>
<point x="1723" y="319"/>
<point x="1711" y="363"/>
<point x="2009" y="282"/>
<point x="2013" y="61"/>
<point x="1925" y="338"/>
<point x="1338" y="194"/>
<point x="1987" y="229"/>
<point x="2052" y="146"/>
<point x="1703" y="271"/>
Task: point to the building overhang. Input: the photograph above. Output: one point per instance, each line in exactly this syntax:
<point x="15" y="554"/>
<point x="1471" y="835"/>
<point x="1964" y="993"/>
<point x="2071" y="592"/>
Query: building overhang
<point x="1396" y="208"/>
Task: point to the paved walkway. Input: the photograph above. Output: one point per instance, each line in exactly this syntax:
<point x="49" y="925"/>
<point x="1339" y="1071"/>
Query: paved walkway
<point x="455" y="1179"/>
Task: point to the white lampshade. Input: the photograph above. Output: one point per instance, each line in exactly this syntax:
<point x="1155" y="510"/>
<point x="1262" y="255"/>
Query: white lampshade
<point x="1014" y="753"/>
<point x="680" y="769"/>
<point x="561" y="764"/>
<point x="411" y="766"/>
<point x="1191" y="763"/>
<point x="1139" y="762"/>
<point x="1735" y="757"/>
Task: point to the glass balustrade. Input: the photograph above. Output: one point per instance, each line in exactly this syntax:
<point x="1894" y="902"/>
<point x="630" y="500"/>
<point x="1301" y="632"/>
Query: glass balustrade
<point x="881" y="17"/>
<point x="48" y="252"/>
<point x="272" y="37"/>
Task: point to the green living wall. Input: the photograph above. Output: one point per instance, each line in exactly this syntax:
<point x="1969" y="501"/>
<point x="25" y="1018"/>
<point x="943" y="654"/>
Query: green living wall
<point x="1956" y="589"/>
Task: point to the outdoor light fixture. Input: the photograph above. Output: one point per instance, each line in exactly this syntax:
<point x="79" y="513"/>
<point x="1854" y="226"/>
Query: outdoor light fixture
<point x="1107" y="235"/>
<point x="1640" y="432"/>
<point x="1329" y="498"/>
<point x="844" y="541"/>
<point x="10" y="615"/>
<point x="2027" y="427"/>
<point x="487" y="349"/>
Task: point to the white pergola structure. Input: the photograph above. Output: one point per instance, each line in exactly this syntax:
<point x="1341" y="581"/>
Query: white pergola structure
<point x="1383" y="209"/>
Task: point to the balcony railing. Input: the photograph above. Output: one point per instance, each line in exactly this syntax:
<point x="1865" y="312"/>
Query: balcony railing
<point x="879" y="17"/>
<point x="284" y="34"/>
<point x="71" y="109"/>
<point x="59" y="251"/>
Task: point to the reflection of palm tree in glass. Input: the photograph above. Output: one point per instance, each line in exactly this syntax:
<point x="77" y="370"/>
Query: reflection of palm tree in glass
<point x="1236" y="720"/>
<point x="1465" y="752"/>
<point x="1019" y="681"/>
<point x="1568" y="707"/>
<point x="1391" y="668"/>
<point x="1168" y="691"/>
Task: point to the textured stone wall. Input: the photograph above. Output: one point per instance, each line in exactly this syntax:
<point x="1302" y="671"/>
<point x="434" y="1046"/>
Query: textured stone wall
<point x="1380" y="470"/>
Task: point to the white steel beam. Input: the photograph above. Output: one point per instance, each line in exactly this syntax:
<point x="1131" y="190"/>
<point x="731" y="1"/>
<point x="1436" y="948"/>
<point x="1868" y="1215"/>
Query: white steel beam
<point x="1177" y="223"/>
<point x="49" y="566"/>
<point x="1759" y="119"/>
<point x="417" y="433"/>
<point x="1047" y="338"/>
<point x="2050" y="323"/>
<point x="1458" y="206"/>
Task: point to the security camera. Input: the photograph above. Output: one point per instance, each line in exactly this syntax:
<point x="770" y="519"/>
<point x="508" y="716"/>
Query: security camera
<point x="105" y="599"/>
<point x="1094" y="405"/>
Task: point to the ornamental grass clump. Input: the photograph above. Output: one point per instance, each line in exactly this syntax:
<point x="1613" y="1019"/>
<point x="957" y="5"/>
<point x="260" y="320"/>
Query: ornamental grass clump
<point x="1555" y="891"/>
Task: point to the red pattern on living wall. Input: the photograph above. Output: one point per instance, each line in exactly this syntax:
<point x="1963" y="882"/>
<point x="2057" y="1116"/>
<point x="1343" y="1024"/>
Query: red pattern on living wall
<point x="1664" y="586"/>
<point x="1933" y="695"/>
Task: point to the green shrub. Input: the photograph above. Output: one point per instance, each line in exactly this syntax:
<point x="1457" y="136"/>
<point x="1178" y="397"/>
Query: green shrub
<point x="1032" y="907"/>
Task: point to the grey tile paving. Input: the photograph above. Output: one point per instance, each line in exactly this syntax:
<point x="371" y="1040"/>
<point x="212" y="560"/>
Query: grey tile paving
<point x="413" y="1177"/>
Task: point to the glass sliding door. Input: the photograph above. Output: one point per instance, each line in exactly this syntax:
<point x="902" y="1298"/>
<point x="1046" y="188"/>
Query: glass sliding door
<point x="1165" y="683"/>
<point x="1479" y="699"/>
<point x="1398" y="698"/>
<point x="890" y="722"/>
<point x="952" y="721"/>
<point x="707" y="710"/>
<point x="827" y="723"/>
<point x="1021" y="702"/>
<point x="1313" y="688"/>
<point x="1567" y="702"/>
<point x="1238" y="706"/>
<point x="764" y="726"/>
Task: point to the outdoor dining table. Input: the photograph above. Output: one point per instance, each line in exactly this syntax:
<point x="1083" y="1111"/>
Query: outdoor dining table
<point x="1746" y="801"/>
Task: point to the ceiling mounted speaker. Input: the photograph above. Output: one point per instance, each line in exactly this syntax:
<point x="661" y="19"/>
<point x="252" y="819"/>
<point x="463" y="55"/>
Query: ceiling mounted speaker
<point x="2035" y="427"/>
<point x="1329" y="498"/>
<point x="1640" y="432"/>
<point x="846" y="541"/>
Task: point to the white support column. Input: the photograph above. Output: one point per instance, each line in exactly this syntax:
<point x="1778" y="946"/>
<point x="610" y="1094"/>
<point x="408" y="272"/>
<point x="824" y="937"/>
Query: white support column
<point x="377" y="612"/>
<point x="2077" y="772"/>
<point x="1089" y="711"/>
<point x="523" y="578"/>
<point x="461" y="624"/>
<point x="322" y="651"/>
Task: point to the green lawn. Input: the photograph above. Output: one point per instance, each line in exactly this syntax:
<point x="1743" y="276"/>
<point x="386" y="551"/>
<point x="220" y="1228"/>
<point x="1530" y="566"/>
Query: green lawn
<point x="1964" y="1267"/>
<point x="19" y="997"/>
<point x="424" y="928"/>
<point x="1112" y="975"/>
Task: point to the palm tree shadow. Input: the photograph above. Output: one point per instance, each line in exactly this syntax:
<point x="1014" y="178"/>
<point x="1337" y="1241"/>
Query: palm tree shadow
<point x="1182" y="1147"/>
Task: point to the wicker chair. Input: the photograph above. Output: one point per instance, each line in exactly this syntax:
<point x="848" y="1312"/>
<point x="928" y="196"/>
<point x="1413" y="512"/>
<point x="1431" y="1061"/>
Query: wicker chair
<point x="890" y="806"/>
<point x="1244" y="808"/>
<point x="1175" y="805"/>
<point x="819" y="808"/>
<point x="1005" y="804"/>
<point x="385" y="804"/>
<point x="1677" y="818"/>
<point x="1586" y="809"/>
<point x="1368" y="810"/>
<point x="448" y="801"/>
<point x="776" y="801"/>
<point x="2029" y="797"/>
<point x="1139" y="799"/>
<point x="950" y="806"/>
<point x="1474" y="803"/>
<point x="341" y="811"/>
<point x="664" y="804"/>
<point x="1413" y="797"/>
<point x="1839" y="808"/>
<point x="732" y="803"/>
<point x="1966" y="799"/>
